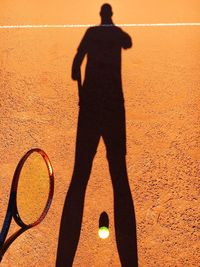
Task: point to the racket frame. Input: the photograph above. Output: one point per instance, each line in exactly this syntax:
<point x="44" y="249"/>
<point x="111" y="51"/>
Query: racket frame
<point x="12" y="211"/>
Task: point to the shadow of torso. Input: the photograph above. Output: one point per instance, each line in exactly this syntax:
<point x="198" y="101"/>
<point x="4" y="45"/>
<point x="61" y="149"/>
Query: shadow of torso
<point x="102" y="86"/>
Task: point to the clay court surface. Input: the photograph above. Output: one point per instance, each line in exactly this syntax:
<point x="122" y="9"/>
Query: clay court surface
<point x="161" y="84"/>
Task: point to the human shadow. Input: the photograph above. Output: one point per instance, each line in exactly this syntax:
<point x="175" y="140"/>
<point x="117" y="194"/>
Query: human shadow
<point x="101" y="114"/>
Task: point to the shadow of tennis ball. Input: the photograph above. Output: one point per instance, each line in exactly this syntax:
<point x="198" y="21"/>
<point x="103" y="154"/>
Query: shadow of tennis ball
<point x="103" y="231"/>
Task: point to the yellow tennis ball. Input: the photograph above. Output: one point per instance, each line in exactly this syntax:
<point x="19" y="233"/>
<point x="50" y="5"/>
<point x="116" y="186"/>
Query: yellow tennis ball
<point x="103" y="232"/>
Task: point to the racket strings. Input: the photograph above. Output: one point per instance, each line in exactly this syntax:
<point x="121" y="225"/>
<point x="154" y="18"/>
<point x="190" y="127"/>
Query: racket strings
<point x="33" y="189"/>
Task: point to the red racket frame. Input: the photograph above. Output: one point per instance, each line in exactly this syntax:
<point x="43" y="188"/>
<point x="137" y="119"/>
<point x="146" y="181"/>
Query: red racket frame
<point x="12" y="211"/>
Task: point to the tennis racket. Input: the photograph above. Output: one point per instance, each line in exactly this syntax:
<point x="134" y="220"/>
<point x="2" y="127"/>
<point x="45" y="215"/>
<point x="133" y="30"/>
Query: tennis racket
<point x="30" y="195"/>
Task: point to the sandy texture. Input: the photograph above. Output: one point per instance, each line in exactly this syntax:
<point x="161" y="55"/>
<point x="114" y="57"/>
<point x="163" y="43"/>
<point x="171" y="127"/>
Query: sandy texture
<point x="39" y="107"/>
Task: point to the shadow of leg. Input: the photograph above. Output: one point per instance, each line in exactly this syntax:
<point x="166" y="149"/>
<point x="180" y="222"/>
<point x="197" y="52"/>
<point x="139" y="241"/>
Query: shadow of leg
<point x="72" y="215"/>
<point x="125" y="223"/>
<point x="114" y="135"/>
<point x="86" y="144"/>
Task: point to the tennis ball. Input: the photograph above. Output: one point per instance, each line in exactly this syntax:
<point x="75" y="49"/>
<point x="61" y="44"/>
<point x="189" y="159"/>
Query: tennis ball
<point x="103" y="232"/>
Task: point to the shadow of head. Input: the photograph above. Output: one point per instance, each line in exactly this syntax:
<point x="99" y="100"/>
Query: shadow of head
<point x="106" y="12"/>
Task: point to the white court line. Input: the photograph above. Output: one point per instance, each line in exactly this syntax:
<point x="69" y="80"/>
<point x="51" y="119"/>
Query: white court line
<point x="106" y="25"/>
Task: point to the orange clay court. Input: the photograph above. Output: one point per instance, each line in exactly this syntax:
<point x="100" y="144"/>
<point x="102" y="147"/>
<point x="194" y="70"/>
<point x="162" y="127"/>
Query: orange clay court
<point x="161" y="86"/>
